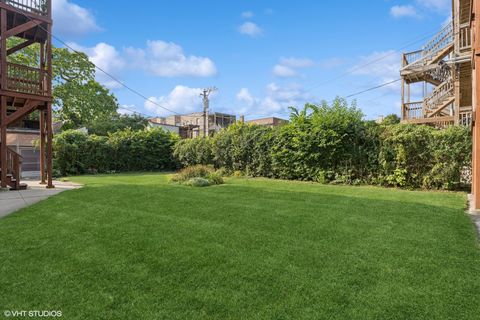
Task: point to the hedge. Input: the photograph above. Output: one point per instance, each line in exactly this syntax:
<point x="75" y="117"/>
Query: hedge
<point x="325" y="143"/>
<point x="332" y="144"/>
<point x="146" y="150"/>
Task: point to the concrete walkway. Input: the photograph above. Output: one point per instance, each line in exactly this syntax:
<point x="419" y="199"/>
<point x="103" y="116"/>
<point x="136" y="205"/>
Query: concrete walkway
<point x="474" y="214"/>
<point x="11" y="201"/>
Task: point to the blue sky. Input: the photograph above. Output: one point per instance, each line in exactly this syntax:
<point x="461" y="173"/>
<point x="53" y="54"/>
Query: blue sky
<point x="263" y="56"/>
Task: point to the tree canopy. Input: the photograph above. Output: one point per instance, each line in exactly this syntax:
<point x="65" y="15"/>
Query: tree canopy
<point x="79" y="100"/>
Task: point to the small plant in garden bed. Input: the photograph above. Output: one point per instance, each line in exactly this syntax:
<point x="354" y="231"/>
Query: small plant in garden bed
<point x="198" y="176"/>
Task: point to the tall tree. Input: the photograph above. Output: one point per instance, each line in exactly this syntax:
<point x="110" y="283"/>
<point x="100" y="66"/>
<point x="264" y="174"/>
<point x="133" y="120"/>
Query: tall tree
<point x="79" y="100"/>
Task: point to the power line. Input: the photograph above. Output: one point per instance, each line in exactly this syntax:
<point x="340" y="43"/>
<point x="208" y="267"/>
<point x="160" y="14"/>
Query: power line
<point x="393" y="52"/>
<point x="372" y="88"/>
<point x="136" y="92"/>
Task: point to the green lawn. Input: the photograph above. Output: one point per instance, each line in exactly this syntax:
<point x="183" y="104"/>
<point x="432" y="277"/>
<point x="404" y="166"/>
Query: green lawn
<point x="136" y="247"/>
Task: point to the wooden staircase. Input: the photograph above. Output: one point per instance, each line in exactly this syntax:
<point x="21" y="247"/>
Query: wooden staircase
<point x="434" y="51"/>
<point x="442" y="97"/>
<point x="14" y="162"/>
<point x="25" y="87"/>
<point x="431" y="66"/>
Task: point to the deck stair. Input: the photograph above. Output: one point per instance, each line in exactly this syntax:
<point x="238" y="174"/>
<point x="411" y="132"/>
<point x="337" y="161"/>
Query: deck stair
<point x="14" y="162"/>
<point x="440" y="98"/>
<point x="434" y="51"/>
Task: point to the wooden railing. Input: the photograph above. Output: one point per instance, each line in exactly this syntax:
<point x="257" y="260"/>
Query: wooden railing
<point x="14" y="162"/>
<point x="411" y="57"/>
<point x="39" y="7"/>
<point x="25" y="79"/>
<point x="465" y="37"/>
<point x="440" y="41"/>
<point x="413" y="110"/>
<point x="466" y="118"/>
<point x="443" y="91"/>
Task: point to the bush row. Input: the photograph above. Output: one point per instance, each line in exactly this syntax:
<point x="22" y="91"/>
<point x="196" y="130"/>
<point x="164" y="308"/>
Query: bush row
<point x="332" y="144"/>
<point x="76" y="152"/>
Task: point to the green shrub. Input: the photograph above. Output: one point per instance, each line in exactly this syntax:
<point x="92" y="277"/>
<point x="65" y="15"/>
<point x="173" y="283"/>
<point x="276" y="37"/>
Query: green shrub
<point x="333" y="144"/>
<point x="198" y="172"/>
<point x="147" y="150"/>
<point x="198" y="182"/>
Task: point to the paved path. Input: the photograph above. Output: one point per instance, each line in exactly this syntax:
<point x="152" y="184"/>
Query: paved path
<point x="11" y="201"/>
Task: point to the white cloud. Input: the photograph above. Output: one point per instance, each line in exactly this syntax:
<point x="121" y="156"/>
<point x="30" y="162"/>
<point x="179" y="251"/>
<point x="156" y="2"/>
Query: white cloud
<point x="284" y="71"/>
<point x="127" y="110"/>
<point x="247" y="15"/>
<point x="167" y="59"/>
<point x="381" y="67"/>
<point x="160" y="58"/>
<point x="245" y="97"/>
<point x="404" y="11"/>
<point x="107" y="58"/>
<point x="287" y="67"/>
<point x="379" y="64"/>
<point x="276" y="100"/>
<point x="250" y="29"/>
<point x="181" y="99"/>
<point x="296" y="62"/>
<point x="332" y="63"/>
<point x="439" y="5"/>
<point x="72" y="19"/>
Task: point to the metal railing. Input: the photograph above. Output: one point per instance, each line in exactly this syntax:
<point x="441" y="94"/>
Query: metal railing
<point x="25" y="79"/>
<point x="39" y="7"/>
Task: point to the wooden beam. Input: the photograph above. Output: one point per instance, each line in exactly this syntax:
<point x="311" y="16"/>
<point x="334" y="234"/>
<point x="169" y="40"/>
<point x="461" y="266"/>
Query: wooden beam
<point x="476" y="108"/>
<point x="19" y="95"/>
<point x="49" y="147"/>
<point x="29" y="107"/>
<point x="430" y="120"/>
<point x="19" y="47"/>
<point x="3" y="99"/>
<point x="42" y="146"/>
<point x="22" y="28"/>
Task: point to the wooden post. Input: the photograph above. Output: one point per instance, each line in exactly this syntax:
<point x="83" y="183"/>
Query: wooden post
<point x="3" y="99"/>
<point x="476" y="109"/>
<point x="3" y="138"/>
<point x="42" y="146"/>
<point x="49" y="104"/>
<point x="403" y="100"/>
<point x="49" y="147"/>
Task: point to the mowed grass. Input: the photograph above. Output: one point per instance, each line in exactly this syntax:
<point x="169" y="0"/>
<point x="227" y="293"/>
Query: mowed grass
<point x="137" y="247"/>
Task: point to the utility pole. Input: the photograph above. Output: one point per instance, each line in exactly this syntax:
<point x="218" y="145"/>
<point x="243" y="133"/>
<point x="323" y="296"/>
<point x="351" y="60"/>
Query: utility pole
<point x="206" y="104"/>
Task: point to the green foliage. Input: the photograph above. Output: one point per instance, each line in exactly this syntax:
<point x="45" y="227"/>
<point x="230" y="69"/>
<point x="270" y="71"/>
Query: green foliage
<point x="391" y="119"/>
<point x="127" y="150"/>
<point x="198" y="176"/>
<point x="79" y="100"/>
<point x="80" y="104"/>
<point x="424" y="157"/>
<point x="198" y="182"/>
<point x="190" y="152"/>
<point x="117" y="122"/>
<point x="333" y="144"/>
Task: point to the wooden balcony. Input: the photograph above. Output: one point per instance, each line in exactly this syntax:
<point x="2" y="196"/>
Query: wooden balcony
<point x="37" y="7"/>
<point x="465" y="39"/>
<point x="26" y="80"/>
<point x="413" y="110"/>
